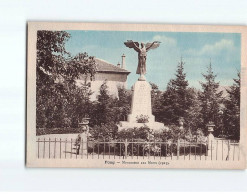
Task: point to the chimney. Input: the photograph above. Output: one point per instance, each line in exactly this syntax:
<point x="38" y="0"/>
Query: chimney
<point x="123" y="61"/>
<point x="118" y="64"/>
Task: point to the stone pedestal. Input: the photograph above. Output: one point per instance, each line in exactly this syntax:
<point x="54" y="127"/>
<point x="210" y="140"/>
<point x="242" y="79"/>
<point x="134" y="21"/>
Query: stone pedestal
<point x="84" y="135"/>
<point x="84" y="148"/>
<point x="210" y="139"/>
<point x="141" y="102"/>
<point x="211" y="143"/>
<point x="141" y="106"/>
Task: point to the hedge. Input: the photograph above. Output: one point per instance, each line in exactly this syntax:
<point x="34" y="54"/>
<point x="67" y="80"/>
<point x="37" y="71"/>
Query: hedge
<point x="45" y="131"/>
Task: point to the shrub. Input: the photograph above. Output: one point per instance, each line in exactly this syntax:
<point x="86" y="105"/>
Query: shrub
<point x="105" y="132"/>
<point x="45" y="131"/>
<point x="141" y="133"/>
<point x="173" y="133"/>
<point x="142" y="118"/>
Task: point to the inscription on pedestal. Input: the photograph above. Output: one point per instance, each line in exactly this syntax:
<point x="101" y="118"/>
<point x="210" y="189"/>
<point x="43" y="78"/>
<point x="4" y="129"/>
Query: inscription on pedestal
<point x="141" y="105"/>
<point x="141" y="101"/>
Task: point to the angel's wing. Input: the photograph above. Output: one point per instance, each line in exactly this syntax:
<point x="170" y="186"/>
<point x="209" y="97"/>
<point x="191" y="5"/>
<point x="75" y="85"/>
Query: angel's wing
<point x="153" y="45"/>
<point x="131" y="44"/>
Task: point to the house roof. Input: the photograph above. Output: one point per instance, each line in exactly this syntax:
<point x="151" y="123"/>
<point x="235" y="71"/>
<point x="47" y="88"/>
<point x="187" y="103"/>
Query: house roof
<point x="104" y="66"/>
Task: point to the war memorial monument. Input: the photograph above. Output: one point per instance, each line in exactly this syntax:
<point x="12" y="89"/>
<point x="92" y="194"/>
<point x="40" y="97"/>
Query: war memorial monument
<point x="141" y="92"/>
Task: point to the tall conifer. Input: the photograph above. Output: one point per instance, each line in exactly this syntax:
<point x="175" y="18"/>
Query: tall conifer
<point x="176" y="99"/>
<point x="211" y="99"/>
<point x="232" y="111"/>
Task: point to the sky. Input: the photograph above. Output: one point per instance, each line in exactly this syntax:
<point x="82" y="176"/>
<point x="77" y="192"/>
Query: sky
<point x="196" y="49"/>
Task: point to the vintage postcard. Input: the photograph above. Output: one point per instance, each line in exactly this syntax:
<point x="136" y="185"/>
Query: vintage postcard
<point x="136" y="96"/>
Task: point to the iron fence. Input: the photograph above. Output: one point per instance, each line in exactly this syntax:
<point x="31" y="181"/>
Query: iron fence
<point x="223" y="150"/>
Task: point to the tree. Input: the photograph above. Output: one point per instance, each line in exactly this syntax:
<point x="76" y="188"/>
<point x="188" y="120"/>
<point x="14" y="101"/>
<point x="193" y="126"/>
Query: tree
<point x="123" y="103"/>
<point x="82" y="67"/>
<point x="56" y="72"/>
<point x="176" y="98"/>
<point x="50" y="62"/>
<point x="103" y="112"/>
<point x="156" y="101"/>
<point x="105" y="132"/>
<point x="232" y="111"/>
<point x="79" y="103"/>
<point x="210" y="99"/>
<point x="108" y="110"/>
<point x="194" y="117"/>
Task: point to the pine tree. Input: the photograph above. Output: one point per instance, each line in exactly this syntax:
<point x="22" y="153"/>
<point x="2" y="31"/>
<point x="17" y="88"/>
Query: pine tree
<point x="105" y="114"/>
<point x="123" y="104"/>
<point x="156" y="101"/>
<point x="232" y="111"/>
<point x="176" y="99"/>
<point x="210" y="99"/>
<point x="194" y="118"/>
<point x="102" y="107"/>
<point x="104" y="110"/>
<point x="80" y="104"/>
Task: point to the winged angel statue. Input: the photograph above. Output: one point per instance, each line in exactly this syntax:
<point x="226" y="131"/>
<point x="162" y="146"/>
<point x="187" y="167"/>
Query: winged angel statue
<point x="142" y="54"/>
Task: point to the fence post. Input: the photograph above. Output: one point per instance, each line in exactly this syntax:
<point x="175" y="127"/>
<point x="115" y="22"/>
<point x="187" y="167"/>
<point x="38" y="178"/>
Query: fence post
<point x="178" y="147"/>
<point x="126" y="148"/>
<point x="228" y="150"/>
<point x="181" y="128"/>
<point x="84" y="135"/>
<point x="210" y="139"/>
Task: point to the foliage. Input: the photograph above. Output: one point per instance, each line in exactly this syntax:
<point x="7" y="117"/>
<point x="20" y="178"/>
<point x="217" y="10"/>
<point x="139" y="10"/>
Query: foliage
<point x="177" y="98"/>
<point x="62" y="101"/>
<point x="62" y="130"/>
<point x="173" y="133"/>
<point x="193" y="118"/>
<point x="79" y="102"/>
<point x="141" y="133"/>
<point x="199" y="136"/>
<point x="232" y="111"/>
<point x="103" y="111"/>
<point x="57" y="72"/>
<point x="142" y="118"/>
<point x="123" y="103"/>
<point x="105" y="132"/>
<point x="169" y="136"/>
<point x="109" y="109"/>
<point x="50" y="61"/>
<point x="210" y="99"/>
<point x="156" y="101"/>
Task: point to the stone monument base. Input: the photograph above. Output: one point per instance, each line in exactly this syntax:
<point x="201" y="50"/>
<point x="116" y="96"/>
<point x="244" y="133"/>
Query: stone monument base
<point x="141" y="107"/>
<point x="156" y="126"/>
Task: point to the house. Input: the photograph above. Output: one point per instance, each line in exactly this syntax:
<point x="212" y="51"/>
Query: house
<point x="114" y="75"/>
